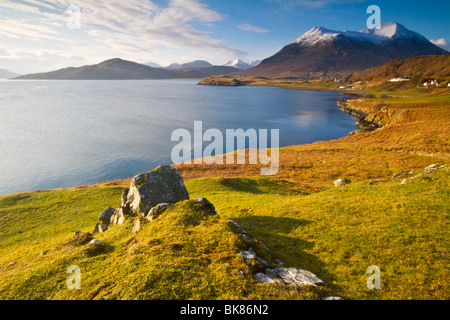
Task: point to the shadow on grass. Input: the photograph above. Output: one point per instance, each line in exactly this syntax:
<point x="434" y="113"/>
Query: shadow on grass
<point x="275" y="233"/>
<point x="257" y="186"/>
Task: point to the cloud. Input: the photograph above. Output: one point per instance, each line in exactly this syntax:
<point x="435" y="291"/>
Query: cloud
<point x="249" y="27"/>
<point x="290" y="4"/>
<point x="131" y="28"/>
<point x="22" y="62"/>
<point x="442" y="43"/>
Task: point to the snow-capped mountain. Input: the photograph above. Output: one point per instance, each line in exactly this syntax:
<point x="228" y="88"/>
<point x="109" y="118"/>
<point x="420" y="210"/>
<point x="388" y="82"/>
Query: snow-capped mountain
<point x="241" y="65"/>
<point x="389" y="31"/>
<point x="321" y="51"/>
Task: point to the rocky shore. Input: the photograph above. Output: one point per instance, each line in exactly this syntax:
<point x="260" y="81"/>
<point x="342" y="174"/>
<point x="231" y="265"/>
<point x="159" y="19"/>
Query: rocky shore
<point x="364" y="122"/>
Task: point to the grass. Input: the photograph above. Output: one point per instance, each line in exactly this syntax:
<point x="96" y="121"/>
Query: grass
<point x="336" y="233"/>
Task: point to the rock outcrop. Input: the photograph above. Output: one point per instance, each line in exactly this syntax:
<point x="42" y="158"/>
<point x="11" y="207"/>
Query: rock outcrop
<point x="365" y="122"/>
<point x="147" y="190"/>
<point x="151" y="194"/>
<point x="342" y="182"/>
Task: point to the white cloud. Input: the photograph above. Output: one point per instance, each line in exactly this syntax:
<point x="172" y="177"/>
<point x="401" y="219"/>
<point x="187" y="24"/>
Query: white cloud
<point x="31" y="62"/>
<point x="442" y="43"/>
<point x="249" y="27"/>
<point x="289" y="4"/>
<point x="133" y="29"/>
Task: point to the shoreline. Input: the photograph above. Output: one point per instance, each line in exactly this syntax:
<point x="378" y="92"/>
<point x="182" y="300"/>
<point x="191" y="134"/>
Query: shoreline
<point x="343" y="105"/>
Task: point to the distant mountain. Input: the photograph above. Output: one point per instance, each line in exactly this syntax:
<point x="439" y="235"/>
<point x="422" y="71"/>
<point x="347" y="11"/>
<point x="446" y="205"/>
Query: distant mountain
<point x="118" y="69"/>
<point x="173" y="66"/>
<point x="238" y="64"/>
<point x="190" y="65"/>
<point x="152" y="64"/>
<point x="321" y="52"/>
<point x="6" y="74"/>
<point x="196" y="64"/>
<point x="242" y="65"/>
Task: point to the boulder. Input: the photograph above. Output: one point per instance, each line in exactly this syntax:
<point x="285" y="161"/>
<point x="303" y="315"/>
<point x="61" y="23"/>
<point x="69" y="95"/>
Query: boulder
<point x="100" y="228"/>
<point x="433" y="168"/>
<point x="119" y="217"/>
<point x="105" y="216"/>
<point x="137" y="226"/>
<point x="162" y="185"/>
<point x="265" y="278"/>
<point x="295" y="277"/>
<point x="342" y="182"/>
<point x="124" y="197"/>
<point x="209" y="206"/>
<point x="158" y="210"/>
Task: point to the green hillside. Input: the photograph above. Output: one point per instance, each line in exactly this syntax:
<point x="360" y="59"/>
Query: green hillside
<point x="185" y="254"/>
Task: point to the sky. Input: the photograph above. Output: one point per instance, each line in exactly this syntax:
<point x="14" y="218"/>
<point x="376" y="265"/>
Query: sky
<point x="45" y="35"/>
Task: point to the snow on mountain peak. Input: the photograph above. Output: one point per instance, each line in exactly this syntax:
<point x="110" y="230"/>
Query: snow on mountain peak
<point x="391" y="30"/>
<point x="238" y="64"/>
<point x="317" y="34"/>
<point x="386" y="32"/>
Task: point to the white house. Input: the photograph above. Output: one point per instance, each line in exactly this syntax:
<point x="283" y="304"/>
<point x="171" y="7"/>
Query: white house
<point x="431" y="83"/>
<point x="399" y="79"/>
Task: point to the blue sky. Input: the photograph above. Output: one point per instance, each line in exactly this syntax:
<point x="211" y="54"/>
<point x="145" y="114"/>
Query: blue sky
<point x="35" y="37"/>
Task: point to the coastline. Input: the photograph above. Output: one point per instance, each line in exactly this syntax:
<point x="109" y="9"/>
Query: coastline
<point x="342" y="104"/>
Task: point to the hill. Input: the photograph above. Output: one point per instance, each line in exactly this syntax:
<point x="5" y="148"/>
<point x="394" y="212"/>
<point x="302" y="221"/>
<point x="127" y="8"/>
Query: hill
<point x="418" y="69"/>
<point x="118" y="69"/>
<point x="5" y="74"/>
<point x="393" y="215"/>
<point x="322" y="52"/>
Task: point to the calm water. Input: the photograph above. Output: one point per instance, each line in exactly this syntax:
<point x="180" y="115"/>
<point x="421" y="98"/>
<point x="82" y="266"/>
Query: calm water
<point x="58" y="134"/>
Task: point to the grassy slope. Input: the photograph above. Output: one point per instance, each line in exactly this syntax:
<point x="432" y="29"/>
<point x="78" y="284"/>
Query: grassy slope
<point x="335" y="233"/>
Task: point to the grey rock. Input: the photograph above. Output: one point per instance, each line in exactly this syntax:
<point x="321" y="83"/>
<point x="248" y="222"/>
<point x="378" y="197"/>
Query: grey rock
<point x="279" y="262"/>
<point x="208" y="204"/>
<point x="405" y="181"/>
<point x="119" y="217"/>
<point x="239" y="227"/>
<point x="137" y="226"/>
<point x="95" y="242"/>
<point x="105" y="216"/>
<point x="158" y="210"/>
<point x="100" y="228"/>
<point x="266" y="278"/>
<point x="401" y="174"/>
<point x="162" y="185"/>
<point x="296" y="277"/>
<point x="12" y="263"/>
<point x="433" y="168"/>
<point x="342" y="182"/>
<point x="249" y="254"/>
<point x="124" y="197"/>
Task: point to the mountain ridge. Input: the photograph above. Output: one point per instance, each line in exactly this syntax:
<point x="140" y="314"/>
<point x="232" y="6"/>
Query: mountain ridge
<point x="119" y="69"/>
<point x="5" y="74"/>
<point x="323" y="52"/>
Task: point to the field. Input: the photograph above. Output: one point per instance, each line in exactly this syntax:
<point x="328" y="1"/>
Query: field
<point x="336" y="233"/>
